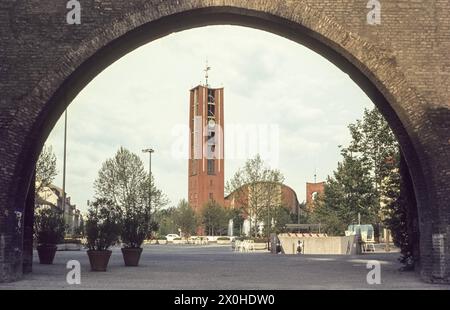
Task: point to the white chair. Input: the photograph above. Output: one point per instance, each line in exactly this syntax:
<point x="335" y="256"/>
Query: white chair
<point x="368" y="244"/>
<point x="237" y="245"/>
<point x="243" y="247"/>
<point x="250" y="246"/>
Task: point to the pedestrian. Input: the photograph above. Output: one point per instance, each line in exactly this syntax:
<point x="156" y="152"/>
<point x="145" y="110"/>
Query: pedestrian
<point x="299" y="247"/>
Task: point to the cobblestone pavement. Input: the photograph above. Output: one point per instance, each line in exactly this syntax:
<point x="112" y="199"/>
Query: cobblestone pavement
<point x="218" y="267"/>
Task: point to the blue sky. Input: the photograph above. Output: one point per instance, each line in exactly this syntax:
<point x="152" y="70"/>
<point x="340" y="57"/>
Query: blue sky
<point x="142" y="100"/>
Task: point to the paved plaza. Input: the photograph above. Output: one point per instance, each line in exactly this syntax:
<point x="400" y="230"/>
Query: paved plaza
<point x="218" y="267"/>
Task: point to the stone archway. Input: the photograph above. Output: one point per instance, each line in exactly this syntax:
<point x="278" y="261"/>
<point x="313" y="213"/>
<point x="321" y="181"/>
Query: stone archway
<point x="38" y="91"/>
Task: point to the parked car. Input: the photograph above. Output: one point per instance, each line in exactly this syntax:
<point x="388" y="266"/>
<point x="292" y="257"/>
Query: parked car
<point x="171" y="237"/>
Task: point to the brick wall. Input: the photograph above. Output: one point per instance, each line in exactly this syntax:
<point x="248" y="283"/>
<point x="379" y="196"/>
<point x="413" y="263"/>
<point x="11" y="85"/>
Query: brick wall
<point x="402" y="64"/>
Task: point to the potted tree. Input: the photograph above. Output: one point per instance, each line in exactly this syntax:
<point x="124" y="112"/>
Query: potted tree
<point x="136" y="227"/>
<point x="102" y="231"/>
<point x="49" y="230"/>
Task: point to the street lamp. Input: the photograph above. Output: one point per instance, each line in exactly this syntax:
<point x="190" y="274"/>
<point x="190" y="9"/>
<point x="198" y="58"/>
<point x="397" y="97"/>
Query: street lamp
<point x="149" y="151"/>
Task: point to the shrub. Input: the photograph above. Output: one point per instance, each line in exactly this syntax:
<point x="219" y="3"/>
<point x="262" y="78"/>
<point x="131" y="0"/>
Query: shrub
<point x="135" y="227"/>
<point x="102" y="225"/>
<point x="49" y="226"/>
<point x="161" y="238"/>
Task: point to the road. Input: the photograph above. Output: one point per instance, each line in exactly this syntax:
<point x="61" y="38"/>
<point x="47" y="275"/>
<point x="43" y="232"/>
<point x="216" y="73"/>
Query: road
<point x="218" y="267"/>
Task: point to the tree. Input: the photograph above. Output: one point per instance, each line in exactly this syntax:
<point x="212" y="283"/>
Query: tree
<point x="374" y="143"/>
<point x="237" y="215"/>
<point x="280" y="216"/>
<point x="402" y="217"/>
<point x="348" y="193"/>
<point x="256" y="188"/>
<point x="123" y="181"/>
<point x="165" y="218"/>
<point x="45" y="168"/>
<point x="215" y="218"/>
<point x="185" y="218"/>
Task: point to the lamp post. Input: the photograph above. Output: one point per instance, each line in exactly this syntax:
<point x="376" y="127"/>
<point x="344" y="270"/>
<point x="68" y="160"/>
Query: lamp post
<point x="64" y="167"/>
<point x="149" y="151"/>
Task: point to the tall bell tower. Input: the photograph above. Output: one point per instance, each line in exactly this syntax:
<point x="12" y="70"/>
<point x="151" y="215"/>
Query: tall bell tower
<point x="206" y="151"/>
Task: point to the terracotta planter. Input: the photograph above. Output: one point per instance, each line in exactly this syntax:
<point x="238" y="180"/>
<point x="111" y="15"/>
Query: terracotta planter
<point x="46" y="254"/>
<point x="131" y="256"/>
<point x="99" y="259"/>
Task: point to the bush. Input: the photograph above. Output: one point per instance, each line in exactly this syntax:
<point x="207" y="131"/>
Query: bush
<point x="161" y="238"/>
<point x="49" y="227"/>
<point x="102" y="225"/>
<point x="135" y="227"/>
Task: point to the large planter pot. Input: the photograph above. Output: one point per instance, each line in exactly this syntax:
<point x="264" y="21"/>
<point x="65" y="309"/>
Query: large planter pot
<point x="162" y="241"/>
<point x="99" y="259"/>
<point x="46" y="254"/>
<point x="131" y="256"/>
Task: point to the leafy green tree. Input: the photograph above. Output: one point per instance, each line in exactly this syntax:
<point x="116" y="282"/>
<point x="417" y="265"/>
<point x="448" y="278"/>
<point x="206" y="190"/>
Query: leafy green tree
<point x="257" y="188"/>
<point x="165" y="218"/>
<point x="402" y="217"/>
<point x="348" y="193"/>
<point x="215" y="218"/>
<point x="45" y="168"/>
<point x="185" y="218"/>
<point x="237" y="215"/>
<point x="279" y="216"/>
<point x="374" y="143"/>
<point x="123" y="181"/>
<point x="302" y="215"/>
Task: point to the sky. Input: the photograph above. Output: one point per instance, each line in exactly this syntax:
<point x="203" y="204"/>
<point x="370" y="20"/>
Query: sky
<point x="293" y="102"/>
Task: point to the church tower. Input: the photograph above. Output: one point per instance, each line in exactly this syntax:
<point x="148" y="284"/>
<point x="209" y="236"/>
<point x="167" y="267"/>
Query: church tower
<point x="206" y="151"/>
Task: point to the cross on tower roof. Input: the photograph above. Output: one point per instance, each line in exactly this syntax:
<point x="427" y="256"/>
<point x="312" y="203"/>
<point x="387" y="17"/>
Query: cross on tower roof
<point x="207" y="69"/>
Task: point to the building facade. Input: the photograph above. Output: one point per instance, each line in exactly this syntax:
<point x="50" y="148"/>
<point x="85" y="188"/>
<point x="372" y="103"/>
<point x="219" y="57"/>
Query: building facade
<point x="312" y="191"/>
<point x="52" y="196"/>
<point x="206" y="152"/>
<point x="280" y="196"/>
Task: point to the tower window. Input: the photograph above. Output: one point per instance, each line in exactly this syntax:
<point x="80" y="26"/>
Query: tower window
<point x="211" y="96"/>
<point x="211" y="110"/>
<point x="211" y="166"/>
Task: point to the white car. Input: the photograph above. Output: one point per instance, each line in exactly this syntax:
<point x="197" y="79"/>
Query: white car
<point x="170" y="237"/>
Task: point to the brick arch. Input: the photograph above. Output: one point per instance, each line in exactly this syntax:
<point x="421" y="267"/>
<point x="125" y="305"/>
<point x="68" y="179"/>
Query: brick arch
<point x="370" y="64"/>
